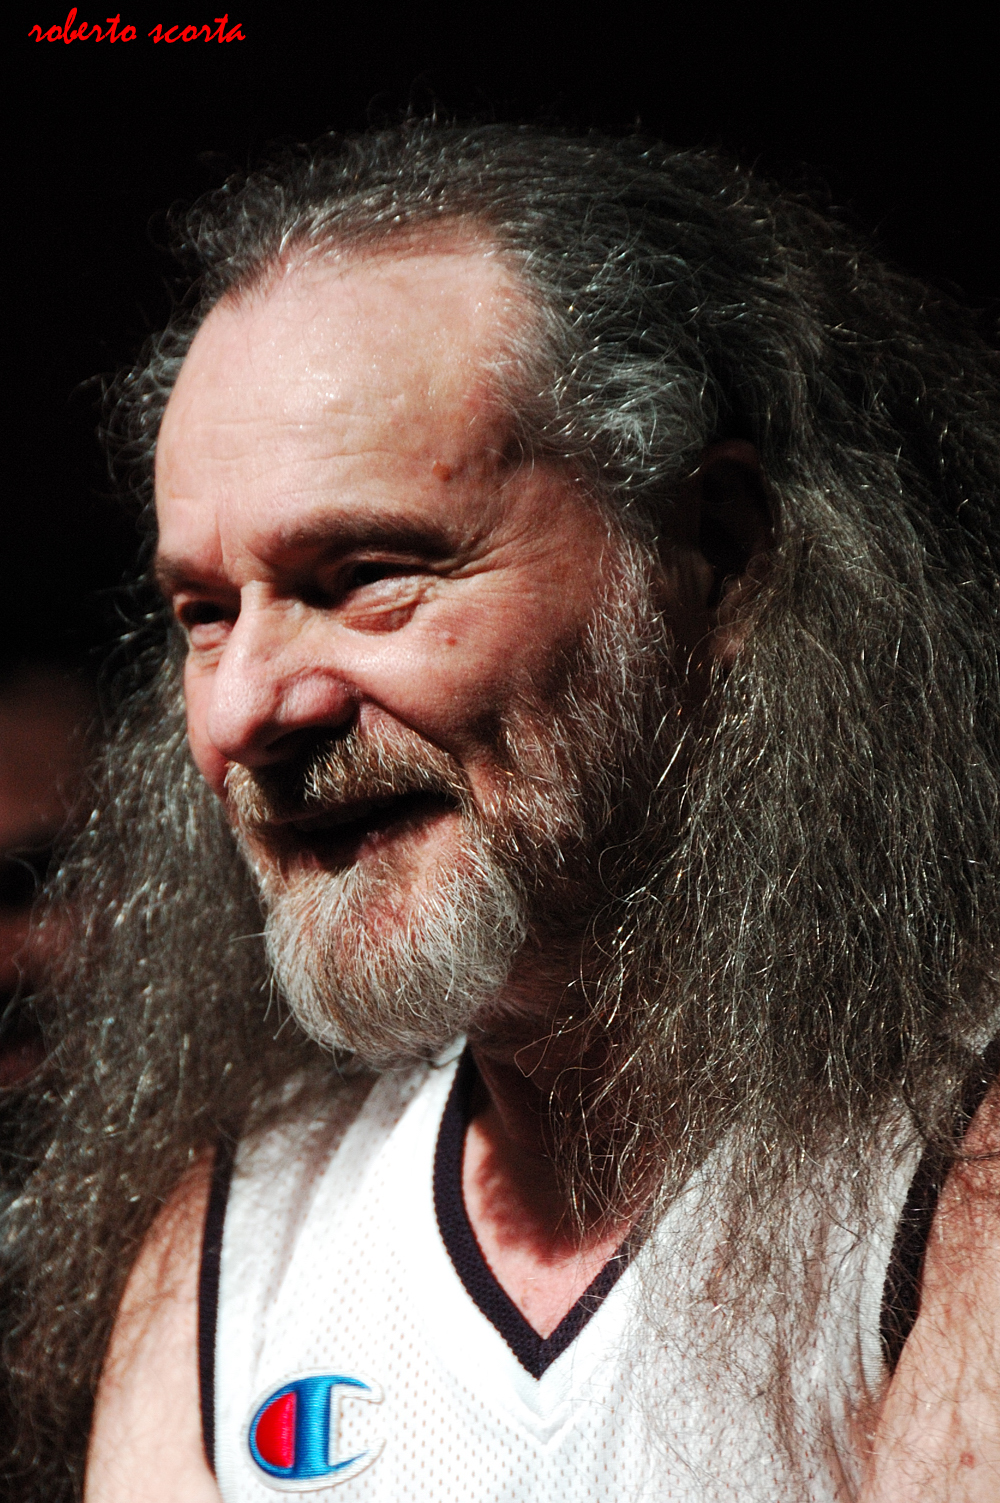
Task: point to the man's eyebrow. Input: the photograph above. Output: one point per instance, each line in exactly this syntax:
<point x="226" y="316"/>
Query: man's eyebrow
<point x="171" y="574"/>
<point x="368" y="529"/>
<point x="330" y="535"/>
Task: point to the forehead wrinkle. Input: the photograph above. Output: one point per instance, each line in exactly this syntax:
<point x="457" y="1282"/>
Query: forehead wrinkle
<point x="176" y="571"/>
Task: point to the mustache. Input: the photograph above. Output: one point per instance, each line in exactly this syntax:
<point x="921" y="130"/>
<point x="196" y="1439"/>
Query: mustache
<point x="355" y="768"/>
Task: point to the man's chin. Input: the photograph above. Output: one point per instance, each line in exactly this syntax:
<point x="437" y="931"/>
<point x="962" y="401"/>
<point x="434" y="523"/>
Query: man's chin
<point x="392" y="957"/>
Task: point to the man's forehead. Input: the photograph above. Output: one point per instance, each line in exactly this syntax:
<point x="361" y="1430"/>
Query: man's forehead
<point x="423" y="327"/>
<point x="363" y="379"/>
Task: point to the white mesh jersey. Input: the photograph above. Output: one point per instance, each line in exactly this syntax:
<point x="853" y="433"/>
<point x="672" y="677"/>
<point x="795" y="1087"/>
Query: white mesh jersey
<point x="356" y="1361"/>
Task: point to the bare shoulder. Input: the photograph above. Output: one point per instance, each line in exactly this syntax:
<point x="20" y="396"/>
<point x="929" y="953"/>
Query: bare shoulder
<point x="146" y="1445"/>
<point x="938" y="1438"/>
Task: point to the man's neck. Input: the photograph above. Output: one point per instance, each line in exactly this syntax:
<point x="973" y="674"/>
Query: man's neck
<point x="513" y="1198"/>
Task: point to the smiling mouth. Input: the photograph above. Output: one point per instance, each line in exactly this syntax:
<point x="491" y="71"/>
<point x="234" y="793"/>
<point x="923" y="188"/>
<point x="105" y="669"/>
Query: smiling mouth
<point x="341" y="835"/>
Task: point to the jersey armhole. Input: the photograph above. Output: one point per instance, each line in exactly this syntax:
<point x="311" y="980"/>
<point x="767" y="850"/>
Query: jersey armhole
<point x="208" y="1290"/>
<point x="901" y="1290"/>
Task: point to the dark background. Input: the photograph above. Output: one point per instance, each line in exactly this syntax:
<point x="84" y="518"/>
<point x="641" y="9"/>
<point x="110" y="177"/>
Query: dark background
<point x="896" y="116"/>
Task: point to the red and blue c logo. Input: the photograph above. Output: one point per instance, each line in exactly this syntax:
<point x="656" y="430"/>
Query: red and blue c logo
<point x="292" y="1434"/>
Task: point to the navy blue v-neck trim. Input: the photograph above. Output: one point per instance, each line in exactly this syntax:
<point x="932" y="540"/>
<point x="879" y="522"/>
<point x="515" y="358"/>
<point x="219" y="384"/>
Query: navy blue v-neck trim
<point x="208" y="1289"/>
<point x="904" y="1275"/>
<point x="535" y="1353"/>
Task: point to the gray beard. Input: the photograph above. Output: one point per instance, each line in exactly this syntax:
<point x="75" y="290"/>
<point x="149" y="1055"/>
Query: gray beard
<point x="393" y="990"/>
<point x="389" y="986"/>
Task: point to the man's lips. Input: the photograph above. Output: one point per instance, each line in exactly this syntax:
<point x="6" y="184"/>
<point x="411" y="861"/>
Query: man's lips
<point x="340" y="832"/>
<point x="345" y="814"/>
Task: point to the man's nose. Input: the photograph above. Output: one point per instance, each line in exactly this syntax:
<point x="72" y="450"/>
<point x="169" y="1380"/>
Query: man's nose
<point x="272" y="689"/>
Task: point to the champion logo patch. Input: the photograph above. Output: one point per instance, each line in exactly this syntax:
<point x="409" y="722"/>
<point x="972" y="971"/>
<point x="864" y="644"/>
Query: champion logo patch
<point x="292" y="1436"/>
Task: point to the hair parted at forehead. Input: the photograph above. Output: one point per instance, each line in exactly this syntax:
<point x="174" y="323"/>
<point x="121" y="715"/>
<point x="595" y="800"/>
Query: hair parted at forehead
<point x="816" y="934"/>
<point x="679" y="300"/>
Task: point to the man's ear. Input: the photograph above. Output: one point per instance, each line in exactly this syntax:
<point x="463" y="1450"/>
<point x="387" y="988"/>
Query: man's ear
<point x="725" y="528"/>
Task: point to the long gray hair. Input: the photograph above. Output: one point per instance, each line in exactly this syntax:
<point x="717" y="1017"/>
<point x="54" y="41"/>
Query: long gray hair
<point x="816" y="934"/>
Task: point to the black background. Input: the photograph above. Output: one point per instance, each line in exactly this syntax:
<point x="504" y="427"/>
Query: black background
<point x="896" y="115"/>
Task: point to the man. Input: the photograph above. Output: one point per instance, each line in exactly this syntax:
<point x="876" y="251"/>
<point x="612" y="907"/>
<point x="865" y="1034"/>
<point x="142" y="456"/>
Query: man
<point x="584" y="568"/>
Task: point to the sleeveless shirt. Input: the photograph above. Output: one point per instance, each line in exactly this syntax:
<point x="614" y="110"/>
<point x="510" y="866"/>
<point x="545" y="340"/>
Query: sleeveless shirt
<point x="355" y="1346"/>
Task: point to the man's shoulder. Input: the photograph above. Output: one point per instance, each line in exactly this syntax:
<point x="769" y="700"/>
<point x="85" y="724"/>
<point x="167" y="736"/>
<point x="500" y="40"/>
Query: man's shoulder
<point x="146" y="1439"/>
<point x="147" y="1444"/>
<point x="938" y="1438"/>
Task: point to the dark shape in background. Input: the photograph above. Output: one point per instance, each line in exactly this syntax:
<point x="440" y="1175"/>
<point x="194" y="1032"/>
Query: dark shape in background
<point x="896" y="113"/>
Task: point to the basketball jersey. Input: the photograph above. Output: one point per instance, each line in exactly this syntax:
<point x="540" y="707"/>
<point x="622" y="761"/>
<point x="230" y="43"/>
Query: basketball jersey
<point x="355" y="1346"/>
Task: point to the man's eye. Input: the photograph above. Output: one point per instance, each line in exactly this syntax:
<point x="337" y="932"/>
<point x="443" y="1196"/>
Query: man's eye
<point x="199" y="613"/>
<point x="372" y="572"/>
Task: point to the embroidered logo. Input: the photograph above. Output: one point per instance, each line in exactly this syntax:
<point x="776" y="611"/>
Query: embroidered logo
<point x="292" y="1438"/>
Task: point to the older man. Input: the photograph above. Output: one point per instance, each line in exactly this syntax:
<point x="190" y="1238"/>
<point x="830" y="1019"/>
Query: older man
<point x="584" y="563"/>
